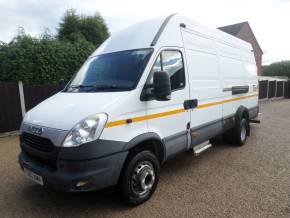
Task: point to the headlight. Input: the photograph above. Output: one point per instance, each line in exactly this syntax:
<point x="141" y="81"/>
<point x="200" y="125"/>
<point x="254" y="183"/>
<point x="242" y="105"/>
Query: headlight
<point x="85" y="131"/>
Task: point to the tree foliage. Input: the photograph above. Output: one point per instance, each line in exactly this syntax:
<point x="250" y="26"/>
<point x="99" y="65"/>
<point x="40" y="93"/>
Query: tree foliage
<point x="91" y="28"/>
<point x="41" y="60"/>
<point x="46" y="59"/>
<point x="277" y="69"/>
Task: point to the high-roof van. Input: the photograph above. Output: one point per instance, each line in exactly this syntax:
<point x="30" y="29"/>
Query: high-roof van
<point x="153" y="90"/>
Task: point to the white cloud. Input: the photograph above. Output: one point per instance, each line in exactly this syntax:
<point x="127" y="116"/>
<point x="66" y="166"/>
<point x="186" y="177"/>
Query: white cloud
<point x="268" y="18"/>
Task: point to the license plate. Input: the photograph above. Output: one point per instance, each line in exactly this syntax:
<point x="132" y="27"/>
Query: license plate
<point x="36" y="178"/>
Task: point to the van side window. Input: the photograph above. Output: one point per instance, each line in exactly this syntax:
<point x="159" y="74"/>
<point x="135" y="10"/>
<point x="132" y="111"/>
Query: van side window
<point x="157" y="65"/>
<point x="171" y="62"/>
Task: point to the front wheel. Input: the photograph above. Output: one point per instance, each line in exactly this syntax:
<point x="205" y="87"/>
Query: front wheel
<point x="139" y="178"/>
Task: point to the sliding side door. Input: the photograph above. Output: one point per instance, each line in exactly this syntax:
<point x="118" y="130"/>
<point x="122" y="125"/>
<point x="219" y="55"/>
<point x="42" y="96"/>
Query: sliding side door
<point x="205" y="85"/>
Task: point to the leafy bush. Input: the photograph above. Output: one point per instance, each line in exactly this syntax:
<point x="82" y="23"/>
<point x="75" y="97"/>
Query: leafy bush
<point x="91" y="28"/>
<point x="47" y="59"/>
<point x="277" y="69"/>
<point x="42" y="60"/>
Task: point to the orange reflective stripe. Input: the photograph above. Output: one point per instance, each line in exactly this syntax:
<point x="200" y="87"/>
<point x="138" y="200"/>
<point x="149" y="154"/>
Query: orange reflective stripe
<point x="225" y="101"/>
<point x="177" y="111"/>
<point x="146" y="117"/>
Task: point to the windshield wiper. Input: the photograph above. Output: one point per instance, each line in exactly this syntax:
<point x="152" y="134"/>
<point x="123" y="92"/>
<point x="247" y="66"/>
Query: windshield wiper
<point x="109" y="87"/>
<point x="96" y="87"/>
<point x="113" y="86"/>
<point x="80" y="86"/>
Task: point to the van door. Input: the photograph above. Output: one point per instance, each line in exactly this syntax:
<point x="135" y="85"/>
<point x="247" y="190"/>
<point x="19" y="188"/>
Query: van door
<point x="205" y="86"/>
<point x="169" y="119"/>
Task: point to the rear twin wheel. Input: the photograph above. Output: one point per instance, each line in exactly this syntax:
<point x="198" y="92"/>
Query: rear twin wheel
<point x="242" y="132"/>
<point x="239" y="134"/>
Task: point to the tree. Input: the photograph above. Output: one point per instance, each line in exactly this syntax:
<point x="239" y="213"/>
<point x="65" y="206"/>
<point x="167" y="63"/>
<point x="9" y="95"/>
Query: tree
<point x="277" y="69"/>
<point x="41" y="60"/>
<point x="46" y="59"/>
<point x="74" y="27"/>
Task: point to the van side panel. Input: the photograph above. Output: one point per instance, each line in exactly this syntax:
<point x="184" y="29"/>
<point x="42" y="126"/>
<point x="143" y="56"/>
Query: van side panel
<point x="205" y="85"/>
<point x="237" y="70"/>
<point x="252" y="80"/>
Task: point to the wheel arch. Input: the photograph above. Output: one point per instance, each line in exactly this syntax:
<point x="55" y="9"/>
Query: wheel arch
<point x="242" y="112"/>
<point x="150" y="141"/>
<point x="147" y="141"/>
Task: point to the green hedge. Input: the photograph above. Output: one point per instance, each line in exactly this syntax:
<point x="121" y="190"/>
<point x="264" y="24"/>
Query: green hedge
<point x="42" y="60"/>
<point x="277" y="69"/>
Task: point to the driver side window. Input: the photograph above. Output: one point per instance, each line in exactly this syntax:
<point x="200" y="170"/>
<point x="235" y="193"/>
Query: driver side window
<point x="170" y="61"/>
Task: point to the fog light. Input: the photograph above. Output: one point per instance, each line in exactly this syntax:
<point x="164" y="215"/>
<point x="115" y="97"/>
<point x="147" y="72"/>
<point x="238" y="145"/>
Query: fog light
<point x="81" y="184"/>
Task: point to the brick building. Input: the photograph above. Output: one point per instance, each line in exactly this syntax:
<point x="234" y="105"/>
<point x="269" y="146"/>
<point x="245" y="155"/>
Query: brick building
<point x="244" y="32"/>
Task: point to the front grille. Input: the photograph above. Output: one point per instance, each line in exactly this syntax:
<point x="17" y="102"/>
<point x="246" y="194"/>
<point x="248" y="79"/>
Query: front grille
<point x="37" y="142"/>
<point x="45" y="162"/>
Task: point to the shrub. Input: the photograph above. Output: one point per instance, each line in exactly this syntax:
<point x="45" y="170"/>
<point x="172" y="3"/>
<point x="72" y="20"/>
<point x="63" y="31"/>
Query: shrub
<point x="277" y="69"/>
<point x="47" y="59"/>
<point x="91" y="28"/>
<point x="42" y="60"/>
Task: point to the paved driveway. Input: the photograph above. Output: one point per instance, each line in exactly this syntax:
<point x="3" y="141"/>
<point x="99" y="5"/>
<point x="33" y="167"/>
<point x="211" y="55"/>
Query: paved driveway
<point x="226" y="181"/>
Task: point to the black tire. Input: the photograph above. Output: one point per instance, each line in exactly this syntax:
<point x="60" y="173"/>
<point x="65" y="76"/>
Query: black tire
<point x="228" y="137"/>
<point x="137" y="177"/>
<point x="240" y="132"/>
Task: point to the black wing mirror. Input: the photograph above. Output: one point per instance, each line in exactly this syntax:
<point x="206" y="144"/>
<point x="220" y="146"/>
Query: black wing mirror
<point x="61" y="84"/>
<point x="162" y="86"/>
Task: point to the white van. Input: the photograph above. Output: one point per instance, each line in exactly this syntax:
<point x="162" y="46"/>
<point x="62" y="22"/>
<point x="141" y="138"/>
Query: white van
<point x="153" y="90"/>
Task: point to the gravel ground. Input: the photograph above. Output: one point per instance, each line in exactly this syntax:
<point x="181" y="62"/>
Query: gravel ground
<point x="226" y="181"/>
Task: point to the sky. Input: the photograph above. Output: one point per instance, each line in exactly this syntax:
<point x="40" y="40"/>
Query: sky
<point x="269" y="19"/>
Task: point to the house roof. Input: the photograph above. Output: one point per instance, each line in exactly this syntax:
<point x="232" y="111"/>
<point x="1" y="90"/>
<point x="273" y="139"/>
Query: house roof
<point x="235" y="29"/>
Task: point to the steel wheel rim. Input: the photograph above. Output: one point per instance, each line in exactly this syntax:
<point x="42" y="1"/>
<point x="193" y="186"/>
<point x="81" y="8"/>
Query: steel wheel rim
<point x="243" y="133"/>
<point x="143" y="178"/>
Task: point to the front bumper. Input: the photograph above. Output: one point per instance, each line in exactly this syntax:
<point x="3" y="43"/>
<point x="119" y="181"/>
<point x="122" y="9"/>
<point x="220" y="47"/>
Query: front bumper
<point x="94" y="173"/>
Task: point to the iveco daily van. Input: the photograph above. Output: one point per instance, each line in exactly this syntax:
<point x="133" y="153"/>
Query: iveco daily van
<point x="153" y="90"/>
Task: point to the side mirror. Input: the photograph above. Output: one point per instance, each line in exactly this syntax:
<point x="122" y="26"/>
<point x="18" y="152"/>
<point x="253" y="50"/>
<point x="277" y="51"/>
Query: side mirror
<point x="162" y="86"/>
<point x="61" y="84"/>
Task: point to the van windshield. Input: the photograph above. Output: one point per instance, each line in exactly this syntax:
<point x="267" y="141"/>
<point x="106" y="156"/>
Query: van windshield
<point x="117" y="71"/>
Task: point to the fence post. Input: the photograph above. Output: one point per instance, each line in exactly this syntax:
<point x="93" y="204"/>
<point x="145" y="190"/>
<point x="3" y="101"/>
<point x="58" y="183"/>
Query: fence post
<point x="268" y="88"/>
<point x="284" y="83"/>
<point x="276" y="89"/>
<point x="288" y="89"/>
<point x="22" y="100"/>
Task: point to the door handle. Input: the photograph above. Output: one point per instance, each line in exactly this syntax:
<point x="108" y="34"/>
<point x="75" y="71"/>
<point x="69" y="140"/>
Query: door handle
<point x="237" y="89"/>
<point x="190" y="104"/>
<point x="240" y="89"/>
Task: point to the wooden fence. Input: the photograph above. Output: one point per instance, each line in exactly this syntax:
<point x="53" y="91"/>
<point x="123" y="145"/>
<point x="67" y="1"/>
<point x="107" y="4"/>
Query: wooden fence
<point x="272" y="88"/>
<point x="10" y="107"/>
<point x="16" y="99"/>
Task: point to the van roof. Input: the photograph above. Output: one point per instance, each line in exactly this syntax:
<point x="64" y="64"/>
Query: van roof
<point x="164" y="31"/>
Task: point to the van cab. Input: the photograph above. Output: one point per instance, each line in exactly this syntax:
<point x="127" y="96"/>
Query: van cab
<point x="153" y="90"/>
